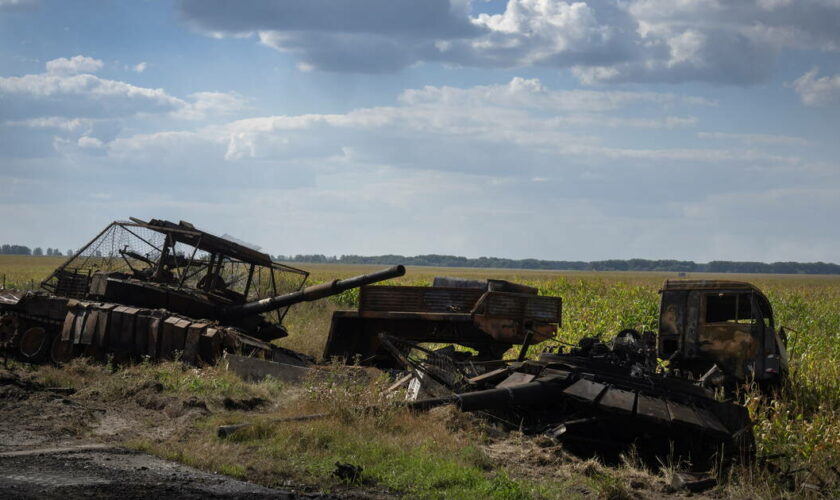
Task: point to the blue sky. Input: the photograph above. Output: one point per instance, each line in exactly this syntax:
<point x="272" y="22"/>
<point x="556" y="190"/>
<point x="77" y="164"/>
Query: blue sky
<point x="689" y="129"/>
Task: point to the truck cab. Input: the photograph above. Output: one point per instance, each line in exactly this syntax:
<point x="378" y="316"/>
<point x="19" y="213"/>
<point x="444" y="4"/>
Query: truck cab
<point x="728" y="324"/>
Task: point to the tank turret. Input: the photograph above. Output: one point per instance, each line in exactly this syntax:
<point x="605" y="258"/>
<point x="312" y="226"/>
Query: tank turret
<point x="156" y="288"/>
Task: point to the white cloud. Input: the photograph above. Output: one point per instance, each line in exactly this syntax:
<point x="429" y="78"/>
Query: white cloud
<point x="76" y="64"/>
<point x="86" y="142"/>
<point x="479" y="129"/>
<point x="816" y="91"/>
<point x="530" y="94"/>
<point x="205" y="104"/>
<point x="79" y="96"/>
<point x="140" y="67"/>
<point x="55" y="122"/>
<point x="65" y="93"/>
<point x="601" y="40"/>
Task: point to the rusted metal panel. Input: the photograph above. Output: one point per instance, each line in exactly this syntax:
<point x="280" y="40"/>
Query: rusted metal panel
<point x="173" y="337"/>
<point x="79" y="326"/>
<point x="115" y="328"/>
<point x="167" y="349"/>
<point x="418" y="299"/>
<point x="585" y="390"/>
<point x="652" y="408"/>
<point x="153" y="335"/>
<point x="491" y="376"/>
<point x="123" y="319"/>
<point x="516" y="305"/>
<point x="712" y="422"/>
<point x="191" y="343"/>
<point x="682" y="414"/>
<point x="210" y="345"/>
<point x="57" y="308"/>
<point x="68" y="326"/>
<point x="141" y="332"/>
<point x="103" y="329"/>
<point x="37" y="305"/>
<point x="618" y="400"/>
<point x="517" y="378"/>
<point x="89" y="333"/>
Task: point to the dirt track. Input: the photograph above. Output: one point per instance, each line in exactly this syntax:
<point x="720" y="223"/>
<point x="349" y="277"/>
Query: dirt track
<point x="108" y="472"/>
<point x="53" y="445"/>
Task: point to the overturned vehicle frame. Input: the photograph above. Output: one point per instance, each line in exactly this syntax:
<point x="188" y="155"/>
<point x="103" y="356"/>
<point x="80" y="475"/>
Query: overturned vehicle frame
<point x="158" y="289"/>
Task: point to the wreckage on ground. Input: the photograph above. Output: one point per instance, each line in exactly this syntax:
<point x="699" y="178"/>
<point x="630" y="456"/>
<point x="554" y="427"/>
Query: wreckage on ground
<point x="160" y="290"/>
<point x="654" y="392"/>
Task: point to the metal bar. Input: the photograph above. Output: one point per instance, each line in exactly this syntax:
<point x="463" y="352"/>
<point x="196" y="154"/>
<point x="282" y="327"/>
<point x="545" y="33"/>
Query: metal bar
<point x="274" y="289"/>
<point x="144" y="240"/>
<point x="189" y="264"/>
<point x="248" y="281"/>
<point x="210" y="270"/>
<point x="78" y="253"/>
<point x="159" y="229"/>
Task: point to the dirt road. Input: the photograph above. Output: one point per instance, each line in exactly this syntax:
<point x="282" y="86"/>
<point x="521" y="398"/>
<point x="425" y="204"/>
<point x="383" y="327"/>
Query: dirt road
<point x="53" y="445"/>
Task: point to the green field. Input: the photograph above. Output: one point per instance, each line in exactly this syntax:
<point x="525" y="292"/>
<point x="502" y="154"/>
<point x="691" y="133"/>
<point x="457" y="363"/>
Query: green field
<point x="802" y="423"/>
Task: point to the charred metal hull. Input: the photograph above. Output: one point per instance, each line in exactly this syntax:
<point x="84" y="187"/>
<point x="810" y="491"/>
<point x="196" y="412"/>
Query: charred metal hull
<point x="597" y="408"/>
<point x="41" y="327"/>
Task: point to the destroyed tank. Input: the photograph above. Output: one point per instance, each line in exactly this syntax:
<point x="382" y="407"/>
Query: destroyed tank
<point x="162" y="290"/>
<point x="599" y="398"/>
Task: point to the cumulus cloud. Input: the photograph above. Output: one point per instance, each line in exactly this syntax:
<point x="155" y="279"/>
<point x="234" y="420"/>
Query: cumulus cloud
<point x="86" y="142"/>
<point x="204" y="104"/>
<point x="76" y="64"/>
<point x="67" y="92"/>
<point x="400" y="17"/>
<point x="816" y="91"/>
<point x="483" y="129"/>
<point x="601" y="40"/>
<point x="139" y="67"/>
<point x="51" y="122"/>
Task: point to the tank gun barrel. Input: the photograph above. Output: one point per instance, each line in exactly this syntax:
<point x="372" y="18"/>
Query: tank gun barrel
<point x="540" y="391"/>
<point x="310" y="293"/>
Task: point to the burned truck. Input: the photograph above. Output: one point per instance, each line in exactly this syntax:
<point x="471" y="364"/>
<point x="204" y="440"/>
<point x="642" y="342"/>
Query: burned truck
<point x="158" y="289"/>
<point x="487" y="316"/>
<point x="722" y="331"/>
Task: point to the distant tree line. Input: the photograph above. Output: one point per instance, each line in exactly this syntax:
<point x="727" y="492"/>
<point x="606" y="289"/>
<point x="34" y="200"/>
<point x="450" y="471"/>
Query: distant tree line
<point x="687" y="266"/>
<point x="7" y="249"/>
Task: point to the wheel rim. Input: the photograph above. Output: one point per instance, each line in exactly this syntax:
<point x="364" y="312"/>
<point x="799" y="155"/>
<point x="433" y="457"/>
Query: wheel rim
<point x="33" y="342"/>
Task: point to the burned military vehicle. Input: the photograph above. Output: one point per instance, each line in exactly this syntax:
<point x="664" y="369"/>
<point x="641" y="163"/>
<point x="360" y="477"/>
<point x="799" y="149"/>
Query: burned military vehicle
<point x="721" y="331"/>
<point x="157" y="289"/>
<point x="488" y="316"/>
<point x="654" y="392"/>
